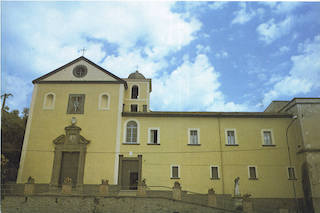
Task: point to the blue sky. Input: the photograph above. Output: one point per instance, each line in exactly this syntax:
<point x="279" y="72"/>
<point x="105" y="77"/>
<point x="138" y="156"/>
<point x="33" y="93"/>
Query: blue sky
<point x="201" y="56"/>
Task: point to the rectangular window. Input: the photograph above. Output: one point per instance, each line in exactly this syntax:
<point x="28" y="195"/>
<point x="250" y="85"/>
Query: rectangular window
<point x="76" y="104"/>
<point x="134" y="108"/>
<point x="214" y="172"/>
<point x="231" y="137"/>
<point x="154" y="136"/>
<point x="175" y="172"/>
<point x="267" y="137"/>
<point x="291" y="173"/>
<point x="194" y="136"/>
<point x="252" y="172"/>
<point x="144" y="108"/>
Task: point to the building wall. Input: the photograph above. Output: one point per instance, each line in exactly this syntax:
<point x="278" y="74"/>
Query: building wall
<point x="233" y="161"/>
<point x="307" y="147"/>
<point x="106" y="130"/>
<point x="98" y="126"/>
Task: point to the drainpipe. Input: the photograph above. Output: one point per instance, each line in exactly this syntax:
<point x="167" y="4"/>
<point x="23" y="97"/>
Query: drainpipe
<point x="221" y="157"/>
<point x="290" y="162"/>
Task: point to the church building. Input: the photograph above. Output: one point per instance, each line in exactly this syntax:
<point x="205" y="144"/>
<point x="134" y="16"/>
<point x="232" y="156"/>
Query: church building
<point x="88" y="124"/>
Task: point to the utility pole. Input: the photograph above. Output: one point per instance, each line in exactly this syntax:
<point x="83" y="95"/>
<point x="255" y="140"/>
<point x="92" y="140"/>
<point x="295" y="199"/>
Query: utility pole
<point x="5" y="96"/>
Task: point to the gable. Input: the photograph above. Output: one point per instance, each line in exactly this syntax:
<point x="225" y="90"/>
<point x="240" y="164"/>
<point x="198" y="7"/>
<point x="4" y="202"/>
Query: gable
<point x="65" y="74"/>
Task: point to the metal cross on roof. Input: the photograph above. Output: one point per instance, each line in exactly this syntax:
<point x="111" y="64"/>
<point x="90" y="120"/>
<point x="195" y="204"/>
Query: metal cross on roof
<point x="83" y="50"/>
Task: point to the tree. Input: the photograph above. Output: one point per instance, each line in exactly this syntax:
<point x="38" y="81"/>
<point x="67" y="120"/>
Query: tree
<point x="5" y="96"/>
<point x="12" y="134"/>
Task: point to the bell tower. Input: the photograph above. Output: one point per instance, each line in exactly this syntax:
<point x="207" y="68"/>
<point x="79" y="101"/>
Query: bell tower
<point x="137" y="97"/>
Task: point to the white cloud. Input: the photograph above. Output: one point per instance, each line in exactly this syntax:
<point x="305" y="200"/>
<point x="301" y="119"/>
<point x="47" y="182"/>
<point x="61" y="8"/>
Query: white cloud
<point x="286" y="7"/>
<point x="304" y="75"/>
<point x="270" y="31"/>
<point x="221" y="54"/>
<point x="57" y="35"/>
<point x="281" y="7"/>
<point x="193" y="86"/>
<point x="141" y="34"/>
<point x="203" y="49"/>
<point x="217" y="5"/>
<point x="284" y="49"/>
<point x="243" y="15"/>
<point x="126" y="62"/>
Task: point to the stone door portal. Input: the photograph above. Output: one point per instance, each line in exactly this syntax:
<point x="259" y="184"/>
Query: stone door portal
<point x="69" y="157"/>
<point x="69" y="167"/>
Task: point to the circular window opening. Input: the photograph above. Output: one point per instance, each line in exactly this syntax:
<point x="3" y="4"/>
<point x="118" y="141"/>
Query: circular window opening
<point x="80" y="71"/>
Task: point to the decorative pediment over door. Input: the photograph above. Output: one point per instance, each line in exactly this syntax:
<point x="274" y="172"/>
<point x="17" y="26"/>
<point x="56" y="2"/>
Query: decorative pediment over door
<point x="70" y="152"/>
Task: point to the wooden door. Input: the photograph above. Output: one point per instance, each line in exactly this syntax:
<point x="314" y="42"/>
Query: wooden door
<point x="133" y="181"/>
<point x="130" y="174"/>
<point x="69" y="167"/>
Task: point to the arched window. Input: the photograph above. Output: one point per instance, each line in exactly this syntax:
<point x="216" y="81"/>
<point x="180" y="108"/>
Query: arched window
<point x="132" y="132"/>
<point x="104" y="101"/>
<point x="49" y="100"/>
<point x="134" y="92"/>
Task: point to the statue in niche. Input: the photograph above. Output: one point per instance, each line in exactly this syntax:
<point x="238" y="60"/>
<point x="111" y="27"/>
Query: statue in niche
<point x="76" y="104"/>
<point x="236" y="187"/>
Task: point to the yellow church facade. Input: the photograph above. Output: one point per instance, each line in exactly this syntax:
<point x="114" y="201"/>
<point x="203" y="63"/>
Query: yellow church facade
<point x="88" y="124"/>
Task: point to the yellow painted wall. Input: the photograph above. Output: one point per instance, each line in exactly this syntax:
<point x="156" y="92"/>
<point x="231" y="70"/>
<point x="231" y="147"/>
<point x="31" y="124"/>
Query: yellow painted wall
<point x="195" y="161"/>
<point x="98" y="126"/>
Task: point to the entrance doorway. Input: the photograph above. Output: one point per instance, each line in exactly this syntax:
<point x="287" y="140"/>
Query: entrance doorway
<point x="69" y="167"/>
<point x="133" y="181"/>
<point x="129" y="172"/>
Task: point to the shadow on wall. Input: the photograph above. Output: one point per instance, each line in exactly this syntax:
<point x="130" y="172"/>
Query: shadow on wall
<point x="308" y="205"/>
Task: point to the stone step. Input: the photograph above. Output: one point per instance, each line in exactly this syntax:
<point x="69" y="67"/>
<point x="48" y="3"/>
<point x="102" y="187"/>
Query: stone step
<point x="127" y="193"/>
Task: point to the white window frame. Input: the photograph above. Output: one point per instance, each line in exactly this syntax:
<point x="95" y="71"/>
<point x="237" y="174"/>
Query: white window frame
<point x="235" y="137"/>
<point x="294" y="170"/>
<point x="250" y="178"/>
<point x="272" y="137"/>
<point x="131" y="91"/>
<point x="125" y="131"/>
<point x="45" y="101"/>
<point x="171" y="166"/>
<point x="189" y="136"/>
<point x="218" y="169"/>
<point x="100" y="100"/>
<point x="137" y="107"/>
<point x="149" y="135"/>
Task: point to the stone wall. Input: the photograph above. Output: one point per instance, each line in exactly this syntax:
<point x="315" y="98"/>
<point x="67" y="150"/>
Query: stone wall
<point x="15" y="197"/>
<point x="93" y="204"/>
